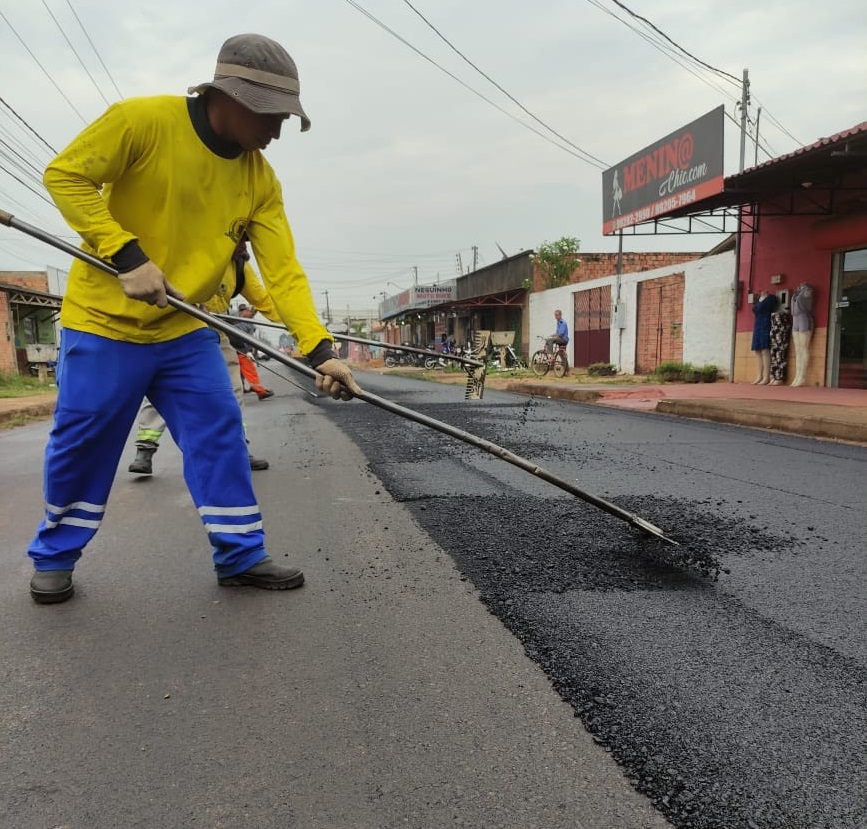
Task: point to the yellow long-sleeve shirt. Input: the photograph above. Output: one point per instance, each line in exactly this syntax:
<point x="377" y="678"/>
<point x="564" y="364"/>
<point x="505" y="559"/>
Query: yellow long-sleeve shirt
<point x="149" y="170"/>
<point x="253" y="291"/>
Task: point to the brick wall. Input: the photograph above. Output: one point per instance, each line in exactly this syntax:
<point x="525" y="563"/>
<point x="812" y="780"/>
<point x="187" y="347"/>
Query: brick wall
<point x="597" y="265"/>
<point x="8" y="364"/>
<point x="32" y="280"/>
<point x="659" y="328"/>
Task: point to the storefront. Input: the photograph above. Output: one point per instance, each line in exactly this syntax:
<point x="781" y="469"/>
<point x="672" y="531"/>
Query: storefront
<point x="803" y="242"/>
<point x="30" y="316"/>
<point x="493" y="298"/>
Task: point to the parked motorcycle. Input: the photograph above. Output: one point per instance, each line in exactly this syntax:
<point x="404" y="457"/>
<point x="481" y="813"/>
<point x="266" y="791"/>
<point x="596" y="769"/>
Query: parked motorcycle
<point x="393" y="359"/>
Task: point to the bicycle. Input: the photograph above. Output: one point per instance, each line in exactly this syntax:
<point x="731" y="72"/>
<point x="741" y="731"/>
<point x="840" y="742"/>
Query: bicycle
<point x="546" y="359"/>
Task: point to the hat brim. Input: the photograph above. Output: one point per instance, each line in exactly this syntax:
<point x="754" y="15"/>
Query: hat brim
<point x="263" y="100"/>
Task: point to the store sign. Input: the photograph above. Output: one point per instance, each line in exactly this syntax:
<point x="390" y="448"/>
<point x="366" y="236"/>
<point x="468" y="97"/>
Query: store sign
<point x="419" y="296"/>
<point x="682" y="168"/>
<point x="428" y="295"/>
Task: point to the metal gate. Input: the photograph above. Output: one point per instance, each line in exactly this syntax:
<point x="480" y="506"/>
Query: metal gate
<point x="592" y="327"/>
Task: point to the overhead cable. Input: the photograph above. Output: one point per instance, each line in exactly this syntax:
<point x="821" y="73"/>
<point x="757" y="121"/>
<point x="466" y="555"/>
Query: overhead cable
<point x="74" y="51"/>
<point x="507" y="94"/>
<point x="680" y="48"/>
<point x="421" y="54"/>
<point x="45" y="71"/>
<point x="95" y="50"/>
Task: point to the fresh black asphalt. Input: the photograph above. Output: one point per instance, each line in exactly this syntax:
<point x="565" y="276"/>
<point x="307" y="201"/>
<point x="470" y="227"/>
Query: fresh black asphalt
<point x="726" y="676"/>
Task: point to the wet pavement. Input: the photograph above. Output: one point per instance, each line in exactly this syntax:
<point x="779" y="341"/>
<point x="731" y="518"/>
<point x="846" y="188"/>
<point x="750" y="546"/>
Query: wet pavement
<point x="826" y="413"/>
<point x="398" y="689"/>
<point x="732" y="699"/>
<point x="811" y="411"/>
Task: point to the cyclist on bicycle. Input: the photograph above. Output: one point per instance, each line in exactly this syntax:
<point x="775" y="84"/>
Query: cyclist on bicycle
<point x="560" y="337"/>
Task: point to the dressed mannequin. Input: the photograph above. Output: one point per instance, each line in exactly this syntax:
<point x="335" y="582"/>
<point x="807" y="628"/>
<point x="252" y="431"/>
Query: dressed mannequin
<point x="802" y="330"/>
<point x="781" y="332"/>
<point x="763" y="307"/>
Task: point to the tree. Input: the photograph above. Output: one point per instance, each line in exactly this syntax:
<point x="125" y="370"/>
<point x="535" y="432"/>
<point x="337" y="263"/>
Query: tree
<point x="556" y="261"/>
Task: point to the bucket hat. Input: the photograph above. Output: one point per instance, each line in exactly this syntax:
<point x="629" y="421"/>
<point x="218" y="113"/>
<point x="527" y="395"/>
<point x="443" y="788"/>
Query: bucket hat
<point x="260" y="75"/>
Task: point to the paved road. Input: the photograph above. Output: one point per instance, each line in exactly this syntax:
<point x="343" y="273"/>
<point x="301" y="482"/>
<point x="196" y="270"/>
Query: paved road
<point x="731" y="703"/>
<point x="381" y="695"/>
<point x="474" y="647"/>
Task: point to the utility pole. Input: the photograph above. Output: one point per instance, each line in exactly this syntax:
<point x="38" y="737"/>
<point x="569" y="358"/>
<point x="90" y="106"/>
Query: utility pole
<point x="618" y="310"/>
<point x="459" y="263"/>
<point x="415" y="275"/>
<point x="327" y="307"/>
<point x="475" y="257"/>
<point x="758" y="118"/>
<point x="744" y="105"/>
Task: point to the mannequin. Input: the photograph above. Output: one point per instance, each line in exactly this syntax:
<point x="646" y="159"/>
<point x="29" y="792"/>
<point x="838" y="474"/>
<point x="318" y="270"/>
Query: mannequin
<point x="802" y="330"/>
<point x="763" y="307"/>
<point x="781" y="332"/>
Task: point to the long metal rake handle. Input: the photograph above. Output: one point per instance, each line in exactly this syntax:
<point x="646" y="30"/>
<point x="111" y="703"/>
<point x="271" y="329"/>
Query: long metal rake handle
<point x="453" y="431"/>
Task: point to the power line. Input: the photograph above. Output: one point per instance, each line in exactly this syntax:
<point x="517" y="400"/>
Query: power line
<point x="644" y="20"/>
<point x="25" y="124"/>
<point x="667" y="51"/>
<point x="777" y="123"/>
<point x="93" y="46"/>
<point x="421" y="54"/>
<point x="45" y="71"/>
<point x="723" y="74"/>
<point x="507" y="94"/>
<point x="74" y="51"/>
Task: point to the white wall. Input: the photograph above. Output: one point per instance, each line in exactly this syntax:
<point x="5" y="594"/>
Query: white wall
<point x="708" y="312"/>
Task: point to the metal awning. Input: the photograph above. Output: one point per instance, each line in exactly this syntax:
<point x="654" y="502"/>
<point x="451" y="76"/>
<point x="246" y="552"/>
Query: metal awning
<point x="24" y="296"/>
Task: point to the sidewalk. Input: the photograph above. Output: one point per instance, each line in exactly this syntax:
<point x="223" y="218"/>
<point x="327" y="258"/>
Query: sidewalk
<point x="15" y="411"/>
<point x="835" y="414"/>
<point x="831" y="414"/>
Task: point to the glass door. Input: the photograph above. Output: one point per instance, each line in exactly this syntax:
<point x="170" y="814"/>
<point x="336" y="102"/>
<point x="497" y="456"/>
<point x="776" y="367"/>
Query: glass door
<point x="850" y="311"/>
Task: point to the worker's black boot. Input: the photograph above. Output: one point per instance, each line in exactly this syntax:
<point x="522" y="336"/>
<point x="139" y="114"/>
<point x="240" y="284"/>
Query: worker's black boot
<point x="143" y="463"/>
<point x="258" y="464"/>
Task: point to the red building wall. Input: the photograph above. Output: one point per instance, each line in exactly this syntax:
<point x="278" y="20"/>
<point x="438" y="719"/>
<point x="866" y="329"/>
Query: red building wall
<point x="799" y="249"/>
<point x="785" y="245"/>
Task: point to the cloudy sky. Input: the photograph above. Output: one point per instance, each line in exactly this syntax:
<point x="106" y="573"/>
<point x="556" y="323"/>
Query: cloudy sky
<point x="443" y="132"/>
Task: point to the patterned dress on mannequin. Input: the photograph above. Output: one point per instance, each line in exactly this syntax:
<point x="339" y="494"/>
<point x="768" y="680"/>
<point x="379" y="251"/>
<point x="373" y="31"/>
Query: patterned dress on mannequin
<point x="781" y="332"/>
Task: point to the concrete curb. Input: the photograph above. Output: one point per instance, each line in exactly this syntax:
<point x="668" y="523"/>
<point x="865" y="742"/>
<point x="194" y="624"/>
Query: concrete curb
<point x="26" y="411"/>
<point x="815" y="425"/>
<point x="554" y="392"/>
<point x="797" y="418"/>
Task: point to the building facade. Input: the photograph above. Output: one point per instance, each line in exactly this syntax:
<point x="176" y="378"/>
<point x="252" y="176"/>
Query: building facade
<point x="803" y="224"/>
<point x="29" y="312"/>
<point x="650" y="313"/>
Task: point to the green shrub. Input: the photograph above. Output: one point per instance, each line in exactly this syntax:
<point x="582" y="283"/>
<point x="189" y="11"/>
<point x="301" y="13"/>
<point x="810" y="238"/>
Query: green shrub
<point x="670" y="371"/>
<point x="601" y="369"/>
<point x="709" y="373"/>
<point x="691" y="374"/>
